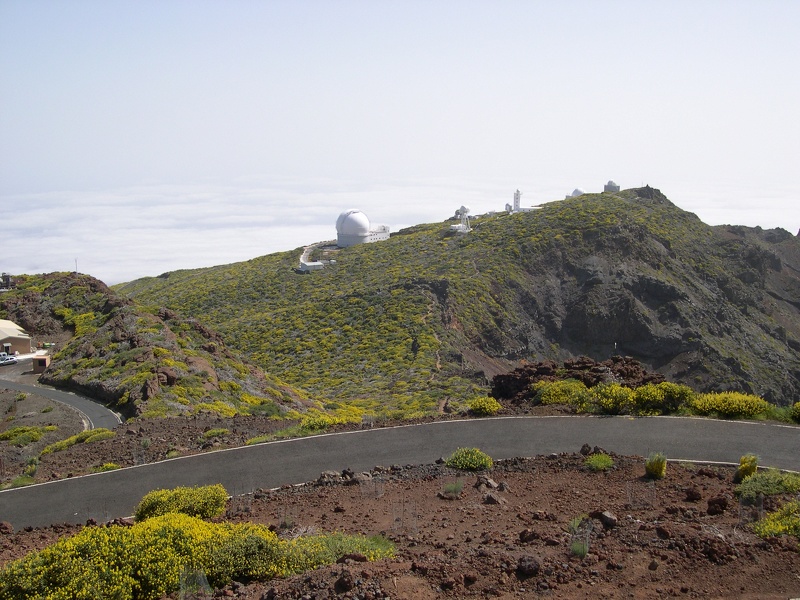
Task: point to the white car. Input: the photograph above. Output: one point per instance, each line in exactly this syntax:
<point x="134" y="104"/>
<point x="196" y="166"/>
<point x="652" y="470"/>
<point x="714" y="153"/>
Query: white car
<point x="10" y="360"/>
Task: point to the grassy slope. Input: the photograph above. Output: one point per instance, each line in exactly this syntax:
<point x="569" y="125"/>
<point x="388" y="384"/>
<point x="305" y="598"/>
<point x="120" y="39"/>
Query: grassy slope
<point x="398" y="325"/>
<point x="150" y="363"/>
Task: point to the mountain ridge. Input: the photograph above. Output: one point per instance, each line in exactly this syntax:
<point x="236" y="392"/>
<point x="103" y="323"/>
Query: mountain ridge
<point x="415" y="322"/>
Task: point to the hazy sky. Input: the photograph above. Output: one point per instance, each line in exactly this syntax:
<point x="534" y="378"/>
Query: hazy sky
<point x="141" y="137"/>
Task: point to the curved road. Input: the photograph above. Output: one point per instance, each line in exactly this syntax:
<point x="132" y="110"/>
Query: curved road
<point x="114" y="494"/>
<point x="94" y="413"/>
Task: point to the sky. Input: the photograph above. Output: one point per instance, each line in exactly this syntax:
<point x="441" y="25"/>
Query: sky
<point x="139" y="137"/>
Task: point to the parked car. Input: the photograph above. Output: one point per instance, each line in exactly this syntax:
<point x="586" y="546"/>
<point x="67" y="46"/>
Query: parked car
<point x="9" y="360"/>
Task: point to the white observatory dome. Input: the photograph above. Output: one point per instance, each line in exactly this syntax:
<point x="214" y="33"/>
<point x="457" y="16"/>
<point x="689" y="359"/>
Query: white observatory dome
<point x="611" y="183"/>
<point x="352" y="222"/>
<point x="577" y="192"/>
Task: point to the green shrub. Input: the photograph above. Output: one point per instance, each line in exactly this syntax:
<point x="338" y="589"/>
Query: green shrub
<point x="484" y="406"/>
<point x="84" y="437"/>
<point x="569" y="391"/>
<point x="24" y="435"/>
<point x="579" y="548"/>
<point x="656" y="465"/>
<point x="22" y="481"/>
<point x="469" y="459"/>
<point x="145" y="561"/>
<point x="748" y="465"/>
<point x="212" y="433"/>
<point x="612" y="398"/>
<point x="453" y="489"/>
<point x="599" y="462"/>
<point x="731" y="405"/>
<point x="317" y="421"/>
<point x="109" y="466"/>
<point x="661" y="399"/>
<point x="32" y="466"/>
<point x="795" y="412"/>
<point x="204" y="502"/>
<point x="768" y="483"/>
<point x="784" y="521"/>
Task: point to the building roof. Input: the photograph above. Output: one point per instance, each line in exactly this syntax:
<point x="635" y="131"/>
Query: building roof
<point x="352" y="222"/>
<point x="9" y="329"/>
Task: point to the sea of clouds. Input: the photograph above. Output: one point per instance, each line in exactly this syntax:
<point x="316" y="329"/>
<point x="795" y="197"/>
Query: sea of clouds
<point x="123" y="234"/>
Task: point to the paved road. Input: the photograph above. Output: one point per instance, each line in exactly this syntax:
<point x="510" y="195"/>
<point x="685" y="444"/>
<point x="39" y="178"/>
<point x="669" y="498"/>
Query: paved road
<point x="95" y="414"/>
<point x="107" y="495"/>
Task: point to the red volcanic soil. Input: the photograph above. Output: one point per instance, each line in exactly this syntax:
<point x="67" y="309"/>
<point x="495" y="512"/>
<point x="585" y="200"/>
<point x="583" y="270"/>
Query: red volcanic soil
<point x="508" y="534"/>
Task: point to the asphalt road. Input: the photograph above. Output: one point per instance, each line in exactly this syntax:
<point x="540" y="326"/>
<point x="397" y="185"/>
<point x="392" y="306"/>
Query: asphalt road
<point x="105" y="496"/>
<point x="95" y="414"/>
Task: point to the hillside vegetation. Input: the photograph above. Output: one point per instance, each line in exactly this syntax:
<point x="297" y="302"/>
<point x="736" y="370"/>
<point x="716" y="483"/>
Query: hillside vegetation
<point x="142" y="363"/>
<point x="421" y="321"/>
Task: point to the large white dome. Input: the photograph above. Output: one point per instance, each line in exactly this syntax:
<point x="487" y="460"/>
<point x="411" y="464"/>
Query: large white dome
<point x="352" y="222"/>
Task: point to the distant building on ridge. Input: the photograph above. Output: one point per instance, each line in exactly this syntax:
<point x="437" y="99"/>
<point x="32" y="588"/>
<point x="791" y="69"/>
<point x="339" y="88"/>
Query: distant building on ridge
<point x="353" y="227"/>
<point x="611" y="186"/>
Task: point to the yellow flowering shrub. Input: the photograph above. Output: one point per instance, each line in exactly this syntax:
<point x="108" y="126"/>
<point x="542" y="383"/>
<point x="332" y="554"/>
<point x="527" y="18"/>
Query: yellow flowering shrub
<point x="84" y="437"/>
<point x="612" y="398"/>
<point x="784" y="521"/>
<point x="205" y="502"/>
<point x="144" y="562"/>
<point x="484" y="406"/>
<point x="731" y="405"/>
<point x="568" y="391"/>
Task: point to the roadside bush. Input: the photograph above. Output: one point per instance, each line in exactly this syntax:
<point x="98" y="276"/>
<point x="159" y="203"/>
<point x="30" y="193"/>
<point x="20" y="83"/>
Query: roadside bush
<point x="661" y="398"/>
<point x="795" y="412"/>
<point x="612" y="398"/>
<point x="599" y="462"/>
<point x="453" y="489"/>
<point x="144" y="562"/>
<point x="469" y="459"/>
<point x="217" y="432"/>
<point x="784" y="521"/>
<point x="768" y="483"/>
<point x="655" y="466"/>
<point x="569" y="391"/>
<point x="24" y="435"/>
<point x="484" y="406"/>
<point x="318" y="421"/>
<point x="731" y="405"/>
<point x="105" y="467"/>
<point x="84" y="437"/>
<point x="203" y="502"/>
<point x="748" y="465"/>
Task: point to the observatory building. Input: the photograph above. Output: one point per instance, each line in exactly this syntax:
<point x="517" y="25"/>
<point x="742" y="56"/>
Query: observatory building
<point x="353" y="227"/>
<point x="611" y="186"/>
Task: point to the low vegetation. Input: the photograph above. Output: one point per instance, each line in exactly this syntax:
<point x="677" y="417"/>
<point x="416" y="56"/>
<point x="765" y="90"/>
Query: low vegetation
<point x="205" y="502"/>
<point x="784" y="521"/>
<point x="484" y="406"/>
<point x="748" y="465"/>
<point x="769" y="482"/>
<point x="655" y="467"/>
<point x="145" y="561"/>
<point x="84" y="437"/>
<point x="469" y="459"/>
<point x="23" y="435"/>
<point x="599" y="461"/>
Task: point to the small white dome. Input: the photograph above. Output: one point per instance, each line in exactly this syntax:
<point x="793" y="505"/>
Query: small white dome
<point x="352" y="222"/>
<point x="577" y="192"/>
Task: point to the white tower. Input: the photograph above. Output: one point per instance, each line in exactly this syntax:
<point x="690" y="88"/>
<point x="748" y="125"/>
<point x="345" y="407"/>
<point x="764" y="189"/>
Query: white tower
<point x="517" y="196"/>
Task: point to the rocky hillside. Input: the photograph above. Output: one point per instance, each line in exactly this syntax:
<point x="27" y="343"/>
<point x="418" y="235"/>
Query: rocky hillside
<point x="424" y="319"/>
<point x="142" y="362"/>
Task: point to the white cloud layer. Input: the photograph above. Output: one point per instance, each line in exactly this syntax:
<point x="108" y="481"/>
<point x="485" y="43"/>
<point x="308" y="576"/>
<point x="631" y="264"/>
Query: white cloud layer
<point x="120" y="235"/>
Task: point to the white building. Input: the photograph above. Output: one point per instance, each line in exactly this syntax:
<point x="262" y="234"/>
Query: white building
<point x="611" y="186"/>
<point x="516" y="208"/>
<point x="575" y="193"/>
<point x="353" y="227"/>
